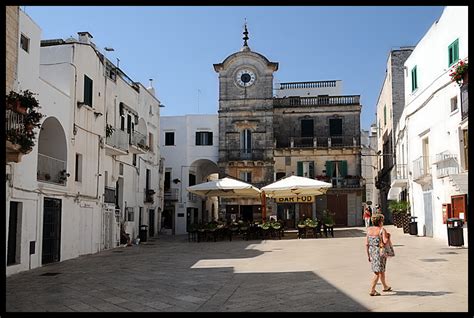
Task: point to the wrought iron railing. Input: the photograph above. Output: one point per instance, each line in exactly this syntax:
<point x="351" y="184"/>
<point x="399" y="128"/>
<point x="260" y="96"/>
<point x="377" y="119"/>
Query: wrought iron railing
<point x="51" y="169"/>
<point x="137" y="139"/>
<point x="192" y="197"/>
<point x="148" y="193"/>
<point x="421" y="167"/>
<point x="446" y="164"/>
<point x="245" y="154"/>
<point x="464" y="101"/>
<point x="399" y="172"/>
<point x="118" y="139"/>
<point x="171" y="194"/>
<point x="14" y="121"/>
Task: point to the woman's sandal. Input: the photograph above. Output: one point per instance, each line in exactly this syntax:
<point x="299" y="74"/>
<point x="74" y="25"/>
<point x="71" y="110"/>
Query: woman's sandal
<point x="387" y="290"/>
<point x="374" y="293"/>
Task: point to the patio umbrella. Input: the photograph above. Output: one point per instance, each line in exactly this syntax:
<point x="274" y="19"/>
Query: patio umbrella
<point x="293" y="186"/>
<point x="225" y="188"/>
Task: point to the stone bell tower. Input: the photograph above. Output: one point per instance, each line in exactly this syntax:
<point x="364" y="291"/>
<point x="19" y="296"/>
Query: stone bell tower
<point x="246" y="116"/>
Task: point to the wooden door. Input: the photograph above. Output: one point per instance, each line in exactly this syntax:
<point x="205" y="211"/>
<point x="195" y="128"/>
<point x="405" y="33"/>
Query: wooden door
<point x="337" y="203"/>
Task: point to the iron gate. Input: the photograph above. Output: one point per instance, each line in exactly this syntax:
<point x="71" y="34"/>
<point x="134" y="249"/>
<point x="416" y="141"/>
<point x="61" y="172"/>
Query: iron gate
<point x="51" y="230"/>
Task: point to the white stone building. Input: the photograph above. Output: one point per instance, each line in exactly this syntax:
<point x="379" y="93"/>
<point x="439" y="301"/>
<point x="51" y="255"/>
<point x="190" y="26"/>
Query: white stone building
<point x="189" y="145"/>
<point x="68" y="196"/>
<point x="431" y="137"/>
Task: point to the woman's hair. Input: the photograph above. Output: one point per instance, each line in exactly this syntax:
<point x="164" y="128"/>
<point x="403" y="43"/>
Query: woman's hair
<point x="377" y="219"/>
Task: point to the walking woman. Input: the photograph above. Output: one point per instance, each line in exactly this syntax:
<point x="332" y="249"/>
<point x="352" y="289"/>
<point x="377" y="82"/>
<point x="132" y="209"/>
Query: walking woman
<point x="376" y="233"/>
<point x="367" y="217"/>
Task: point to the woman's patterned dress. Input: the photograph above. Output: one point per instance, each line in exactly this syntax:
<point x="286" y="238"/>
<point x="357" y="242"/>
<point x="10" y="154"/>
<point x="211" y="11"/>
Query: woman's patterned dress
<point x="378" y="262"/>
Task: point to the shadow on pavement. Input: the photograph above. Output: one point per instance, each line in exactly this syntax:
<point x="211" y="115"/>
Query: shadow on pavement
<point x="419" y="293"/>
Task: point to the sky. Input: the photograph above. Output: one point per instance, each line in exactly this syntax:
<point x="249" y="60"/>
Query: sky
<point x="177" y="46"/>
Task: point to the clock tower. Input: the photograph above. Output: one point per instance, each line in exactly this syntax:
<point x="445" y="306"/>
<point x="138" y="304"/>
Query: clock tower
<point x="246" y="116"/>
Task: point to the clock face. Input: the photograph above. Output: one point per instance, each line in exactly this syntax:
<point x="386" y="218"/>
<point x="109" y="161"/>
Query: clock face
<point x="245" y="77"/>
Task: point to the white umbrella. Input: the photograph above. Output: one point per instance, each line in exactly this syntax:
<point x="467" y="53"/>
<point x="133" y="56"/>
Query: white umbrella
<point x="293" y="186"/>
<point x="226" y="188"/>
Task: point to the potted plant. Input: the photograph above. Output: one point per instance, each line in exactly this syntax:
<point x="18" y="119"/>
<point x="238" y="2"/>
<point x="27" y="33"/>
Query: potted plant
<point x="26" y="104"/>
<point x="459" y="73"/>
<point x="394" y="208"/>
<point x="109" y="130"/>
<point x="404" y="207"/>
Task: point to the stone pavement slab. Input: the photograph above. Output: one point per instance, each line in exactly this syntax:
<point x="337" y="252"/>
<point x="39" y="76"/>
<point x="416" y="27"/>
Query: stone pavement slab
<point x="169" y="274"/>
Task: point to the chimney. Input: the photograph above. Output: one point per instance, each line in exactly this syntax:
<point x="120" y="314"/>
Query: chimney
<point x="151" y="89"/>
<point x="85" y="37"/>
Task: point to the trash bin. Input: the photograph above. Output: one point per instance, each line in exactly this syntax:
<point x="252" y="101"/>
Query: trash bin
<point x="455" y="232"/>
<point x="143" y="232"/>
<point x="413" y="225"/>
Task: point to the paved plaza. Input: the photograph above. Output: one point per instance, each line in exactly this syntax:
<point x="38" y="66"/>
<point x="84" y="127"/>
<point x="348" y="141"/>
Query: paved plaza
<point x="321" y="275"/>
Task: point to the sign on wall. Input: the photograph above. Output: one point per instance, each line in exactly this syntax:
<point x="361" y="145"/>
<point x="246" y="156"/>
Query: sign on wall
<point x="297" y="199"/>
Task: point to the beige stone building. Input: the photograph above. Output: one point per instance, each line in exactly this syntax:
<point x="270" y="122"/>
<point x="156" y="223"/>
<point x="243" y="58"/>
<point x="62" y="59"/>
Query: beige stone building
<point x="299" y="128"/>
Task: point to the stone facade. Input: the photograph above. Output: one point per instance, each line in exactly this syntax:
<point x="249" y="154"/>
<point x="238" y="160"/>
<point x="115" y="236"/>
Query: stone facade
<point x="11" y="43"/>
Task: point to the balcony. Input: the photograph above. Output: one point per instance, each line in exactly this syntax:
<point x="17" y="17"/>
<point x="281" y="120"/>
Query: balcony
<point x="446" y="164"/>
<point x="117" y="143"/>
<point x="399" y="172"/>
<point x="245" y="154"/>
<point x="14" y="125"/>
<point x="347" y="182"/>
<point x="171" y="194"/>
<point x="316" y="101"/>
<point x="314" y="84"/>
<point x="421" y="170"/>
<point x="109" y="195"/>
<point x="51" y="170"/>
<point x="149" y="193"/>
<point x="138" y="144"/>
<point x="319" y="142"/>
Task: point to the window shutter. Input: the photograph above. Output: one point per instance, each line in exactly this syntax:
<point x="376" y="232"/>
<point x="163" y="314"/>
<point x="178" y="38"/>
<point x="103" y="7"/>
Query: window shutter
<point x="299" y="170"/>
<point x="456" y="51"/>
<point x="343" y="168"/>
<point x="210" y="141"/>
<point x="329" y="168"/>
<point x="197" y="139"/>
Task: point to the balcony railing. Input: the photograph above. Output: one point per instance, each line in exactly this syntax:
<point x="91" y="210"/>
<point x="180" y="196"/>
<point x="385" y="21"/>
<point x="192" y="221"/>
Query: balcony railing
<point x="317" y="84"/>
<point x="245" y="154"/>
<point x="399" y="172"/>
<point x="51" y="169"/>
<point x="109" y="195"/>
<point x="118" y="139"/>
<point x="137" y="138"/>
<point x="317" y="101"/>
<point x="345" y="182"/>
<point x="421" y="167"/>
<point x="13" y="120"/>
<point x="319" y="142"/>
<point x="446" y="164"/>
<point x="464" y="101"/>
<point x="171" y="194"/>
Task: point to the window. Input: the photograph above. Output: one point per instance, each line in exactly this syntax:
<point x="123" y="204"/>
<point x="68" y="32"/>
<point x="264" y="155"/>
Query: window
<point x="169" y="138"/>
<point x="192" y="179"/>
<point x="454" y="103"/>
<point x="336" y="171"/>
<point x="88" y="90"/>
<point x="204" y="138"/>
<point x="78" y="170"/>
<point x="385" y="115"/>
<point x="335" y="126"/>
<point x="414" y="79"/>
<point x="466" y="149"/>
<point x="307" y="128"/>
<point x="453" y="52"/>
<point x="122" y="123"/>
<point x="279" y="175"/>
<point x="25" y="43"/>
<point x="121" y="169"/>
<point x="305" y="169"/>
<point x="246" y="176"/>
<point x="148" y="179"/>
<point x="426" y="155"/>
<point x="130" y="214"/>
<point x="246" y="141"/>
<point x="167" y="184"/>
<point x="134" y="160"/>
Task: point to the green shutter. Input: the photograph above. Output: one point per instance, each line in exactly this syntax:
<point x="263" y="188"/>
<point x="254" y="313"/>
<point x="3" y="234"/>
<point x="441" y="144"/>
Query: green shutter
<point x="343" y="168"/>
<point x="453" y="52"/>
<point x="329" y="168"/>
<point x="414" y="79"/>
<point x="385" y="115"/>
<point x="456" y="51"/>
<point x="299" y="168"/>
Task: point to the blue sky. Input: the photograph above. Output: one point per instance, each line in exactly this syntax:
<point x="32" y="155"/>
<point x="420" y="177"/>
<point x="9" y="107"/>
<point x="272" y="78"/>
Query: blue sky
<point x="176" y="46"/>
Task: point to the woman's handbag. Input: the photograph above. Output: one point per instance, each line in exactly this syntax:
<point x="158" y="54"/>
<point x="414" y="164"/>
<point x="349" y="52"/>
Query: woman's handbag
<point x="386" y="250"/>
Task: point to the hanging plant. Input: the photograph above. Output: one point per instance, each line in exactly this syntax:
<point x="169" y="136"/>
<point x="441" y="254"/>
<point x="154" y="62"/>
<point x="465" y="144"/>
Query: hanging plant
<point x="109" y="130"/>
<point x="26" y="104"/>
<point x="459" y="72"/>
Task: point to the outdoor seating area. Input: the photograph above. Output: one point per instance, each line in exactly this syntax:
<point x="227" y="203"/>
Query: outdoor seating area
<point x="218" y="231"/>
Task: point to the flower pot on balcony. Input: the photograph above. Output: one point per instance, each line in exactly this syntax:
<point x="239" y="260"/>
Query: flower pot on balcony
<point x="17" y="107"/>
